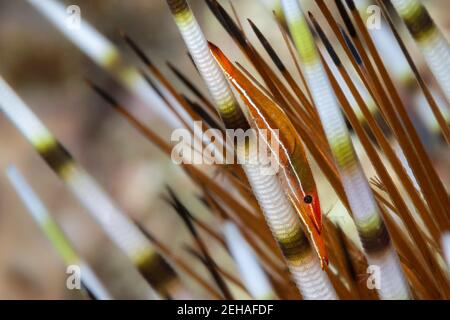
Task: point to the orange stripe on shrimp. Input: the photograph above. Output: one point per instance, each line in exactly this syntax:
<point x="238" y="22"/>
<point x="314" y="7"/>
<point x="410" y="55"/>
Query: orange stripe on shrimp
<point x="295" y="171"/>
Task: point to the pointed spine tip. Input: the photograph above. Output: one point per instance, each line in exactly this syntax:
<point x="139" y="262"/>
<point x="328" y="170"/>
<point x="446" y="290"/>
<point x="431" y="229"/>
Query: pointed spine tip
<point x="268" y="47"/>
<point x="325" y="40"/>
<point x="350" y="45"/>
<point x="137" y="50"/>
<point x="102" y="93"/>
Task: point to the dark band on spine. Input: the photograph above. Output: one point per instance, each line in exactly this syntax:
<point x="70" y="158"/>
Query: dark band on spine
<point x="177" y="6"/>
<point x="420" y="24"/>
<point x="157" y="271"/>
<point x="56" y="156"/>
<point x="375" y="241"/>
<point x="294" y="246"/>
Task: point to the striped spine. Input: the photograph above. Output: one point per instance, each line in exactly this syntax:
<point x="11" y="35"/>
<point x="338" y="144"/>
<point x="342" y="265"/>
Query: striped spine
<point x="105" y="54"/>
<point x="122" y="231"/>
<point x="429" y="39"/>
<point x="383" y="40"/>
<point x="54" y="233"/>
<point x="252" y="274"/>
<point x="280" y="215"/>
<point x="287" y="229"/>
<point x="372" y="231"/>
<point x="212" y="75"/>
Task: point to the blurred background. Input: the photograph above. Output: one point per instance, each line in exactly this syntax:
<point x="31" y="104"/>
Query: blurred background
<point x="47" y="71"/>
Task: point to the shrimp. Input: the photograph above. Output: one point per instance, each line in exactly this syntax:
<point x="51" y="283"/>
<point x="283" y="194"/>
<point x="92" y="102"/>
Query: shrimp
<point x="295" y="172"/>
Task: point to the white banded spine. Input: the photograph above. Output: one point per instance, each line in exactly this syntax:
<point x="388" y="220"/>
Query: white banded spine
<point x="122" y="231"/>
<point x="286" y="228"/>
<point x="211" y="73"/>
<point x="275" y="211"/>
<point x="428" y="37"/>
<point x="365" y="212"/>
<point x="104" y="53"/>
<point x="251" y="272"/>
<point x="52" y="231"/>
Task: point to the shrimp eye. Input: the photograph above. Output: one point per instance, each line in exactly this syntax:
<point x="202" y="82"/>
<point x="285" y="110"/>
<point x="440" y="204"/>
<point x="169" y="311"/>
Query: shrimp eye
<point x="308" y="199"/>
